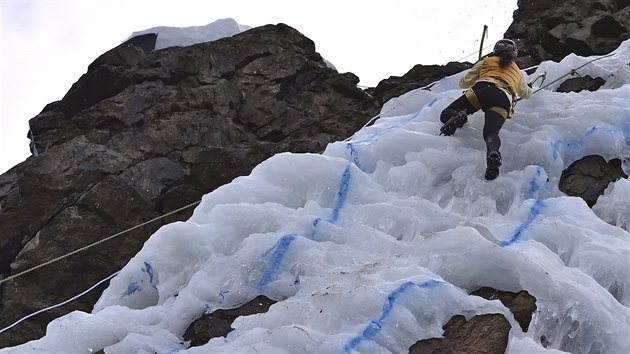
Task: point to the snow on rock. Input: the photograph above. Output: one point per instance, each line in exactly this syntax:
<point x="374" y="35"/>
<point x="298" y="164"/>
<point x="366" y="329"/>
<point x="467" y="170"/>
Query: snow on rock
<point x="185" y="36"/>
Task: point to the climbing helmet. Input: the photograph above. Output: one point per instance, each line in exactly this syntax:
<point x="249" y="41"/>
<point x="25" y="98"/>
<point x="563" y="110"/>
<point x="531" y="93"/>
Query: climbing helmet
<point x="506" y="44"/>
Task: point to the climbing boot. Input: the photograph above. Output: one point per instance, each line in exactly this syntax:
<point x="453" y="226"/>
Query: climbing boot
<point x="455" y="122"/>
<point x="493" y="161"/>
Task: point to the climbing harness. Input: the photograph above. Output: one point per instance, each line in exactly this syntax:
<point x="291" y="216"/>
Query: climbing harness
<point x="472" y="98"/>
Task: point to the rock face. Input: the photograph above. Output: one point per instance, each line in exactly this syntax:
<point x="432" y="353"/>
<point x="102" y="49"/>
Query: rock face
<point x="581" y="83"/>
<point x="589" y="177"/>
<point x="521" y="304"/>
<point x="142" y="134"/>
<point x="550" y="30"/>
<point x="219" y="322"/>
<point x="482" y="334"/>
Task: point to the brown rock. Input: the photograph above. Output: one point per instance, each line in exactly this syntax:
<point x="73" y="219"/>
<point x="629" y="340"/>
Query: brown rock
<point x="482" y="334"/>
<point x="589" y="177"/>
<point x="521" y="304"/>
<point x="219" y="322"/>
<point x="581" y="83"/>
<point x="551" y="30"/>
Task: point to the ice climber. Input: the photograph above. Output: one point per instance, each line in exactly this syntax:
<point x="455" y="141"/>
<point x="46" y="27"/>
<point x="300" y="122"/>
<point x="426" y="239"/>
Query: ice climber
<point x="492" y="84"/>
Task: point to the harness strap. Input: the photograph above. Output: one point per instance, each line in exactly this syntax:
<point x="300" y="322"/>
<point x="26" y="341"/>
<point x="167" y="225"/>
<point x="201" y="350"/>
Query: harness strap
<point x="502" y="111"/>
<point x="506" y="85"/>
<point x="472" y="98"/>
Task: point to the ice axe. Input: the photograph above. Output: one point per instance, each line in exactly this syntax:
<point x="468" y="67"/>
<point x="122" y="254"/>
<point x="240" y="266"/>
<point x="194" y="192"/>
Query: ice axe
<point x="542" y="76"/>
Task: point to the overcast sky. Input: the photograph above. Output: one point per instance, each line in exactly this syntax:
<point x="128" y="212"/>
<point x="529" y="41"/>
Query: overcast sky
<point x="48" y="44"/>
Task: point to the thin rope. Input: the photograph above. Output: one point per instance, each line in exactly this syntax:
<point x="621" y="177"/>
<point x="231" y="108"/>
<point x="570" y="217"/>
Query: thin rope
<point x="96" y="243"/>
<point x="60" y="304"/>
<point x="398" y="103"/>
<point x="570" y="72"/>
<point x="458" y="60"/>
<point x="473" y="53"/>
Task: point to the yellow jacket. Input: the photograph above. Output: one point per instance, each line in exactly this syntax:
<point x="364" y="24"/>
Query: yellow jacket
<point x="489" y="70"/>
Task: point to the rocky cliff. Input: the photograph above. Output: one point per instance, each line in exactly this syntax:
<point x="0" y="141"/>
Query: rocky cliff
<point x="550" y="30"/>
<point x="146" y="132"/>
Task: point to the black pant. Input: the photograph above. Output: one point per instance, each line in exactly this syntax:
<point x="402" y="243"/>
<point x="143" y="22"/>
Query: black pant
<point x="489" y="95"/>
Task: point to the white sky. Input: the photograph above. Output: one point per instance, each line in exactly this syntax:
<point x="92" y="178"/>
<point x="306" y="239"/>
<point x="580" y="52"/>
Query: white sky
<point x="48" y="44"/>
